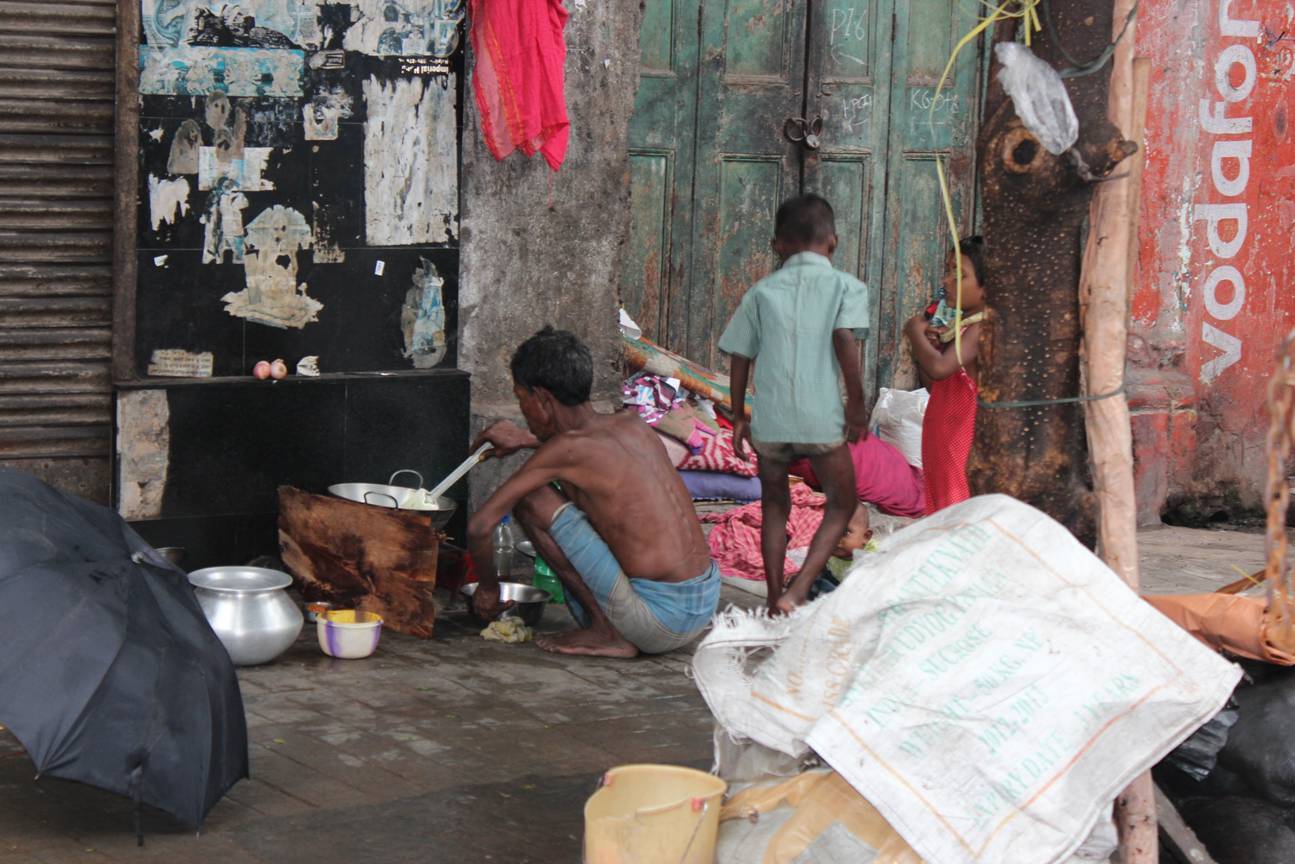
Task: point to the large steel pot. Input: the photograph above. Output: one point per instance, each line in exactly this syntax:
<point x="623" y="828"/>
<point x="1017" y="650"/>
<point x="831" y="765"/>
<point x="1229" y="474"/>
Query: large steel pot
<point x="387" y="495"/>
<point x="252" y="614"/>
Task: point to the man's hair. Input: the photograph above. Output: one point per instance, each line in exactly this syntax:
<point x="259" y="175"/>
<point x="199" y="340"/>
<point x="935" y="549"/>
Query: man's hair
<point x="974" y="248"/>
<point x="805" y="219"/>
<point x="557" y="361"/>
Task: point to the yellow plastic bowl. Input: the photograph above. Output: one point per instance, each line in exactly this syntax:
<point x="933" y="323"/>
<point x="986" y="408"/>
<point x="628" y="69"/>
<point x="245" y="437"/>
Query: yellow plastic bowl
<point x="348" y="634"/>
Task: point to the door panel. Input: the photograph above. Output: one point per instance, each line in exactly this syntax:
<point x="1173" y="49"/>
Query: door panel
<point x="645" y="276"/>
<point x="750" y="80"/>
<point x="850" y="56"/>
<point x="662" y="134"/>
<point x="922" y="127"/>
<point x="709" y="161"/>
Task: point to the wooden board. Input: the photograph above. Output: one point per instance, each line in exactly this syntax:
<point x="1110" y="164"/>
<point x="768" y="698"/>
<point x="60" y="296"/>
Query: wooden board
<point x="364" y="557"/>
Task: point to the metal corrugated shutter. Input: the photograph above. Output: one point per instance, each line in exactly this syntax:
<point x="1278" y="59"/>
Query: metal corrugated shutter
<point x="56" y="201"/>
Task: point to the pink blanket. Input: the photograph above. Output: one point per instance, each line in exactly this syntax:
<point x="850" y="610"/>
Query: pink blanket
<point x="735" y="539"/>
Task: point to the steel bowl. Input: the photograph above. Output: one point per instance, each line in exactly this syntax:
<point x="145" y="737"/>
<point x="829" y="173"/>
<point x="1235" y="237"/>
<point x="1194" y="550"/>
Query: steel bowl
<point x="249" y="610"/>
<point x="398" y="497"/>
<point x="529" y="602"/>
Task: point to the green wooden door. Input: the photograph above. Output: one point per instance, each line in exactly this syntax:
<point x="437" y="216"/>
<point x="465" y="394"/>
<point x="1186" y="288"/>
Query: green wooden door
<point x="662" y="137"/>
<point x="868" y="68"/>
<point x="916" y="232"/>
<point x="750" y="79"/>
<point x="850" y="59"/>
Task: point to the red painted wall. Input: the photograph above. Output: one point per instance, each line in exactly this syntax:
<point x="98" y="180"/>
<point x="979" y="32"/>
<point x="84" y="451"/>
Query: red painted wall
<point x="1215" y="293"/>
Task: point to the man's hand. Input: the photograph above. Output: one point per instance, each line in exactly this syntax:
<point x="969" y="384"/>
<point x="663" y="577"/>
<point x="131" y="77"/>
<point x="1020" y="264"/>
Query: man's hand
<point x="741" y="437"/>
<point x="856" y="421"/>
<point x="507" y="438"/>
<point x="485" y="602"/>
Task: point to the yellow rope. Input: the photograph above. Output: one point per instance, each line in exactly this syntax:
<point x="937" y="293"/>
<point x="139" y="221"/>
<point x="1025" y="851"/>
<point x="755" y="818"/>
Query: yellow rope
<point x="1027" y="11"/>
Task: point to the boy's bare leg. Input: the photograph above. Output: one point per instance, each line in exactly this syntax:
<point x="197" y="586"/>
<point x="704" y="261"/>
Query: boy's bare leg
<point x="535" y="514"/>
<point x="835" y="472"/>
<point x="775" y="504"/>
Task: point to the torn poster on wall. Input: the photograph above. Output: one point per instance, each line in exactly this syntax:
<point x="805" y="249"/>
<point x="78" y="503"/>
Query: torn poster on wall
<point x="194" y="70"/>
<point x="410" y="167"/>
<point x="243" y="173"/>
<point x="323" y="112"/>
<point x="167" y="200"/>
<point x="272" y="296"/>
<point x="178" y="363"/>
<point x="184" y="149"/>
<point x="413" y="28"/>
<point x="255" y="24"/>
<point x="422" y="318"/>
<point x="223" y="223"/>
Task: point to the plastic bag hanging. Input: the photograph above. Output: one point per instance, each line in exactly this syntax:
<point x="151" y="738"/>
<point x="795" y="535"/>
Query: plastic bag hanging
<point x="1039" y="96"/>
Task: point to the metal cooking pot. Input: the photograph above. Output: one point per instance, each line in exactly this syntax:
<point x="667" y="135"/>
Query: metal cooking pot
<point x="252" y="614"/>
<point x="399" y="497"/>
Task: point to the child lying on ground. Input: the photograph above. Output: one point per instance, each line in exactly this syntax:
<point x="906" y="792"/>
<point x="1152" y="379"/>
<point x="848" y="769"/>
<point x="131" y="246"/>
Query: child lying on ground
<point x="858" y="535"/>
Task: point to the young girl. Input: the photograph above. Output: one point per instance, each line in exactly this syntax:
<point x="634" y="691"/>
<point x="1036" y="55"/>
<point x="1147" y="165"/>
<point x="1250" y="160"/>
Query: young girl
<point x="950" y="421"/>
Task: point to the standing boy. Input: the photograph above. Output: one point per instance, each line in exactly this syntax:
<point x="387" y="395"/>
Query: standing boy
<point x="800" y="325"/>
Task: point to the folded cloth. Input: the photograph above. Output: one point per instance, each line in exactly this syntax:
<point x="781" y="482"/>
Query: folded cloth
<point x="735" y="539"/>
<point x="717" y="454"/>
<point x="685" y="423"/>
<point x="713" y="486"/>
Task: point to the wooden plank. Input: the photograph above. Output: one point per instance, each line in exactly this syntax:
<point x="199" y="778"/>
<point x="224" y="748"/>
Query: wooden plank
<point x="369" y="558"/>
<point x="126" y="192"/>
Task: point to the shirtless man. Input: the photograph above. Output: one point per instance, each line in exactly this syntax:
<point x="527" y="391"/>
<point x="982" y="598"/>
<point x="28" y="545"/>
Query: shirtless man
<point x="621" y="533"/>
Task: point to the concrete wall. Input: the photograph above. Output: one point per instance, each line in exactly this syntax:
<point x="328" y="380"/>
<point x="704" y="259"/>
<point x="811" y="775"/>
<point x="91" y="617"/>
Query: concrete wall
<point x="540" y="247"/>
<point x="1217" y="252"/>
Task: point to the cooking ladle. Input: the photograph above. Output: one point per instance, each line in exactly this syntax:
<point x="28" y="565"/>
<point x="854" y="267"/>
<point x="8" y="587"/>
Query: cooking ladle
<point x="457" y="473"/>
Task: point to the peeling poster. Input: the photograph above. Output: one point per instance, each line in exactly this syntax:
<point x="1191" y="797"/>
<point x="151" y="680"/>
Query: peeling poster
<point x="323" y="112"/>
<point x="272" y="296"/>
<point x="223" y="223"/>
<point x="168" y="200"/>
<point x="410" y="175"/>
<point x="178" y="363"/>
<point x="405" y="28"/>
<point x="422" y="318"/>
<point x="193" y="70"/>
<point x="259" y="23"/>
<point x="244" y="173"/>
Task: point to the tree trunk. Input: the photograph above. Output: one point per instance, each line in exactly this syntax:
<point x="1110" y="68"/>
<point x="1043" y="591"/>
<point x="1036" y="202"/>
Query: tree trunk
<point x="1034" y="207"/>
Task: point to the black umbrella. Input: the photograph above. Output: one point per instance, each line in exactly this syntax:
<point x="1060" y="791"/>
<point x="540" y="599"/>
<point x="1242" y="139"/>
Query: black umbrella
<point x="109" y="673"/>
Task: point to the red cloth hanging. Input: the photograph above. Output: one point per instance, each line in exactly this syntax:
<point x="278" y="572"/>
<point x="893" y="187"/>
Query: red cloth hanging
<point x="518" y="76"/>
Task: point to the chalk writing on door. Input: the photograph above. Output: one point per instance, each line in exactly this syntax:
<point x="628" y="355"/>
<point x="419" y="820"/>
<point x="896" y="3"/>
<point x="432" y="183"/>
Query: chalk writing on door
<point x="847" y="35"/>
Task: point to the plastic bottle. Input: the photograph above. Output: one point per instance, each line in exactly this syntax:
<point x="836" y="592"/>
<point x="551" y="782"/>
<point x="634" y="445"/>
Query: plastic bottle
<point x="504" y="547"/>
<point x="548" y="580"/>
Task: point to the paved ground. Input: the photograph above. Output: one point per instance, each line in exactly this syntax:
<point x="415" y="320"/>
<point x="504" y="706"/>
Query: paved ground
<point x="451" y="750"/>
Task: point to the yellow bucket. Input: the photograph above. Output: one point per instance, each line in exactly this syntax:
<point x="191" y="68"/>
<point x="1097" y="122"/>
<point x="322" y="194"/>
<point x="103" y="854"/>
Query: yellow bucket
<point x="653" y="814"/>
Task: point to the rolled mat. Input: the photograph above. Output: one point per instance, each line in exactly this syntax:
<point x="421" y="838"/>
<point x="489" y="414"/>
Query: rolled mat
<point x="1238" y="625"/>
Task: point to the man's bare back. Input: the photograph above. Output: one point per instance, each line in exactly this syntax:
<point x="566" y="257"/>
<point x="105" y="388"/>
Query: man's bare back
<point x="617" y="472"/>
<point x="622" y="512"/>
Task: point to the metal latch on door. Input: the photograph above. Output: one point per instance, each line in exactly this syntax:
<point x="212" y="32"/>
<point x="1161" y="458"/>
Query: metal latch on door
<point x="804" y="131"/>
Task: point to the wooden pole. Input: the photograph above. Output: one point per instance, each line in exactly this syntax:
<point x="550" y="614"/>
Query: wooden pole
<point x="1108" y="270"/>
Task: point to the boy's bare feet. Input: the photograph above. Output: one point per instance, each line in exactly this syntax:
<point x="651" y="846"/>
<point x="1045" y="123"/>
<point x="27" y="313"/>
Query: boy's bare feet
<point x="591" y="641"/>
